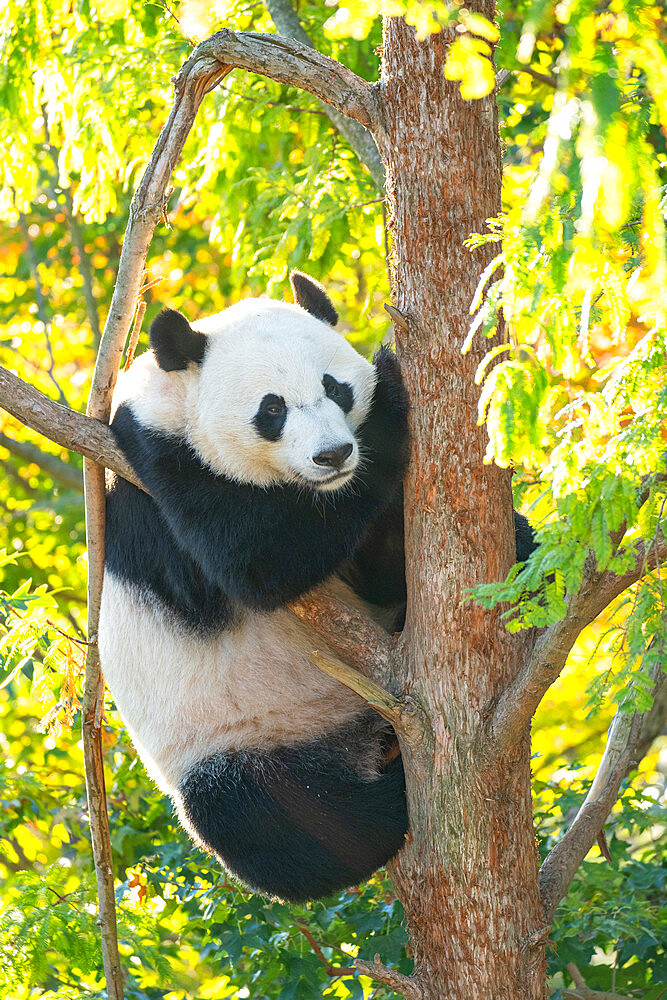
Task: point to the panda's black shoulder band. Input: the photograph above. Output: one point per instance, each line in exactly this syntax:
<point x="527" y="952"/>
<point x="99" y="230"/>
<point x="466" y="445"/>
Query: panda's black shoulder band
<point x="174" y="341"/>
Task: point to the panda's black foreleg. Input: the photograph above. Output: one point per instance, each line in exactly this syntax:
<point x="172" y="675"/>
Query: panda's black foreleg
<point x="297" y="822"/>
<point x="376" y="572"/>
<point x="525" y="537"/>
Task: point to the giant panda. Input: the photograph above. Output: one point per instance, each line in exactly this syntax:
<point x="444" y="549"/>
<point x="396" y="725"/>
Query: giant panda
<point x="273" y="454"/>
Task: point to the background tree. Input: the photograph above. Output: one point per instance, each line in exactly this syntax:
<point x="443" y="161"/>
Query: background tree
<point x="578" y="401"/>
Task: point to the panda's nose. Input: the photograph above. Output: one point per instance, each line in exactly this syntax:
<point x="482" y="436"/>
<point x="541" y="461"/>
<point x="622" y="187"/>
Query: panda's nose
<point x="333" y="457"/>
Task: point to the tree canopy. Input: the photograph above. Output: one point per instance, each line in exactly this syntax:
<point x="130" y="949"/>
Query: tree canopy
<point x="575" y="400"/>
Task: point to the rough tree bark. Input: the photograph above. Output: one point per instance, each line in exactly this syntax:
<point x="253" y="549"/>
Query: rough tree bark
<point x="468" y="878"/>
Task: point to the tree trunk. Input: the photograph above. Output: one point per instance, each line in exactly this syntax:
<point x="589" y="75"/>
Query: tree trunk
<point x="468" y="877"/>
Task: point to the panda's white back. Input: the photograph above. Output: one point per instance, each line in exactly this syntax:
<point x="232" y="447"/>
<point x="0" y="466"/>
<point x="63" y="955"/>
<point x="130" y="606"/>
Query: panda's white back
<point x="185" y="697"/>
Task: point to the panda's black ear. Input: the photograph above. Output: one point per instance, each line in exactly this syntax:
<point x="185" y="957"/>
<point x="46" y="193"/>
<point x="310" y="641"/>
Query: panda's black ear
<point x="311" y="296"/>
<point x="174" y="341"/>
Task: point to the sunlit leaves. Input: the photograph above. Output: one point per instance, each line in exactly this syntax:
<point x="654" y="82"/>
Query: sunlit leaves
<point x="468" y="61"/>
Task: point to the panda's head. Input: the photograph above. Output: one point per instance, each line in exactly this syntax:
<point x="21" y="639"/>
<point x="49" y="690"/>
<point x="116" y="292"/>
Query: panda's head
<point x="265" y="392"/>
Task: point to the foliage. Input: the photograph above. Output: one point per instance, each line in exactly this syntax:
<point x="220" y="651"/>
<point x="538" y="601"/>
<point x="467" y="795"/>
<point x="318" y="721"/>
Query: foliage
<point x="576" y="400"/>
<point x="612" y="922"/>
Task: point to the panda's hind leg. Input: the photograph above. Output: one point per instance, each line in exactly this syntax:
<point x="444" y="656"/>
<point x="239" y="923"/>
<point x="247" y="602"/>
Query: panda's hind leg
<point x="297" y="823"/>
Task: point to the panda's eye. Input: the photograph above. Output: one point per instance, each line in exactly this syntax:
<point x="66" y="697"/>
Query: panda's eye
<point x="339" y="392"/>
<point x="270" y="417"/>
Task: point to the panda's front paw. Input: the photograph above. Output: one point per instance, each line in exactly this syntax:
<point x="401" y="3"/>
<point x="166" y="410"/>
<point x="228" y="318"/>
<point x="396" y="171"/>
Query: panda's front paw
<point x="390" y="391"/>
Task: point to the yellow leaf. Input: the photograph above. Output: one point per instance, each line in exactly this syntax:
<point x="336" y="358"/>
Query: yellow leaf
<point x="111" y="10"/>
<point x="479" y="25"/>
<point x="467" y="61"/>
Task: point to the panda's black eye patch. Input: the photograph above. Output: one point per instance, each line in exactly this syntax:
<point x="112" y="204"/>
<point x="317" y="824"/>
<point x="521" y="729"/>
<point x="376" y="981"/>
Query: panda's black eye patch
<point x="340" y="392"/>
<point x="270" y="417"/>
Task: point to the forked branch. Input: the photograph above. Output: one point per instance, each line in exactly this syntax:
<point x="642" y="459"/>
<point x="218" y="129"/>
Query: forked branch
<point x="289" y="61"/>
<point x="518" y="703"/>
<point x="620" y="756"/>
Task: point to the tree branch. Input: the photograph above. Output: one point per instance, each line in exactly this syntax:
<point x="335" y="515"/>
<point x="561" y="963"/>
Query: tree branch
<point x="287" y="23"/>
<point x="518" y="703"/>
<point x="69" y="428"/>
<point x="349" y="633"/>
<point x="387" y="705"/>
<point x="296" y="64"/>
<point x="619" y="757"/>
<point x="407" y="985"/>
<point x="66" y="475"/>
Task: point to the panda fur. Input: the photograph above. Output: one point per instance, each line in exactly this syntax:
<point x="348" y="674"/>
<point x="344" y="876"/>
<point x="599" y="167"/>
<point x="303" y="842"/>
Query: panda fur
<point x="274" y="456"/>
<point x="278" y="769"/>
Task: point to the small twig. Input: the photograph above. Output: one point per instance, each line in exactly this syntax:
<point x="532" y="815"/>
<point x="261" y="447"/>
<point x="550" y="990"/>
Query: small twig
<point x="40" y="301"/>
<point x="136" y="330"/>
<point x="331" y="970"/>
<point x="407" y="985"/>
<point x="169" y="11"/>
<point x="363" y="204"/>
<point x="604" y="847"/>
<point x="72" y="638"/>
<point x="584" y="992"/>
<point x="398" y="711"/>
<point x="547" y="78"/>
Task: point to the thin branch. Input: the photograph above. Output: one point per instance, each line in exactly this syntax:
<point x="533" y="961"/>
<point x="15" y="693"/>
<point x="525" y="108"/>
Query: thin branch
<point x="68" y="428"/>
<point x="136" y="330"/>
<point x="77" y="238"/>
<point x="548" y="78"/>
<point x="619" y="757"/>
<point x="40" y="301"/>
<point x="407" y="985"/>
<point x="287" y="23"/>
<point x="584" y="992"/>
<point x="335" y="971"/>
<point x="61" y="472"/>
<point x="518" y="703"/>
